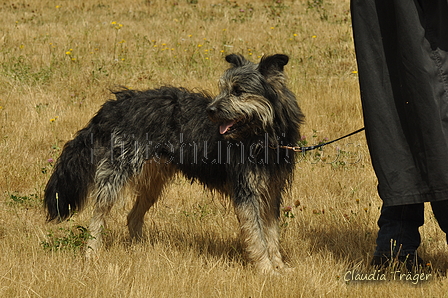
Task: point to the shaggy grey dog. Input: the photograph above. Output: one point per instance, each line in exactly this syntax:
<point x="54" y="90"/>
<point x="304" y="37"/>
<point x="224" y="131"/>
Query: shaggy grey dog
<point x="229" y="143"/>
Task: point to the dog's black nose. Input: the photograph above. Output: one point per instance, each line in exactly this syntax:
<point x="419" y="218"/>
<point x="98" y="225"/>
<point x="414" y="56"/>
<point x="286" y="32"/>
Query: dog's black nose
<point x="211" y="110"/>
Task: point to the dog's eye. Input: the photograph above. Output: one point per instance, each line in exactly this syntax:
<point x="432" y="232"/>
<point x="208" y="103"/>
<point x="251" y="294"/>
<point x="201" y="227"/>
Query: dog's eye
<point x="237" y="91"/>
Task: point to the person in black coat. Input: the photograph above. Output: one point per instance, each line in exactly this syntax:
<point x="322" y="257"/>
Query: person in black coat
<point x="402" y="54"/>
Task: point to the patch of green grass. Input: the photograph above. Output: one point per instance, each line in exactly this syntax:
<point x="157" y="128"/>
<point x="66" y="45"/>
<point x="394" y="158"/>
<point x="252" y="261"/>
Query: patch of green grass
<point x="15" y="199"/>
<point x="21" y="70"/>
<point x="74" y="239"/>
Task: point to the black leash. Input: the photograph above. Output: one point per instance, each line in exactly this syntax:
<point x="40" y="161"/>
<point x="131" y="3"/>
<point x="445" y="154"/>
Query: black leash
<point x="304" y="149"/>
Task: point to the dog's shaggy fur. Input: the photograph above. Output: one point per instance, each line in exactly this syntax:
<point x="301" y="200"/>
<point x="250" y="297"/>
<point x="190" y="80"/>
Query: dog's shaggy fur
<point x="229" y="143"/>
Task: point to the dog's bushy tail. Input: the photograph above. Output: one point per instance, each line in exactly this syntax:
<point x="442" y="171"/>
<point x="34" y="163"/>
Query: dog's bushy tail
<point x="72" y="178"/>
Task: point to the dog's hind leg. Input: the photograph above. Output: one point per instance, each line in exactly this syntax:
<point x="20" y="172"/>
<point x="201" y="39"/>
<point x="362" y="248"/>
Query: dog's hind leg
<point x="96" y="227"/>
<point x="110" y="180"/>
<point x="149" y="186"/>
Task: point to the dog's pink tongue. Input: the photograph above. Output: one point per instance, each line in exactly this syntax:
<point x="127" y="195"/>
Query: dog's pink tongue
<point x="225" y="127"/>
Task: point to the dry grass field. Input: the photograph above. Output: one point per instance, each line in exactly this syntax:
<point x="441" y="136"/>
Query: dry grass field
<point x="58" y="61"/>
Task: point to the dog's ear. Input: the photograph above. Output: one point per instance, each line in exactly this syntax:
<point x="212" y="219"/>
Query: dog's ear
<point x="274" y="63"/>
<point x="236" y="60"/>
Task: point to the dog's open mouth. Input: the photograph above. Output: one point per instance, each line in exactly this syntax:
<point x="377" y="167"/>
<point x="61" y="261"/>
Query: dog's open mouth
<point x="229" y="127"/>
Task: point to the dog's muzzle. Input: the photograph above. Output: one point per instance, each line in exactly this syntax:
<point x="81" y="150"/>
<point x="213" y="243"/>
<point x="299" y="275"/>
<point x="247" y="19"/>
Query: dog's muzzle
<point x="225" y="126"/>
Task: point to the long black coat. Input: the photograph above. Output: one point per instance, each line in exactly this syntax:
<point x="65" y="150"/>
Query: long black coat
<point x="402" y="53"/>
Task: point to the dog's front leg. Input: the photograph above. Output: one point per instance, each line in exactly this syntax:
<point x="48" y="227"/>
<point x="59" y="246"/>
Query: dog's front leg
<point x="252" y="234"/>
<point x="271" y="216"/>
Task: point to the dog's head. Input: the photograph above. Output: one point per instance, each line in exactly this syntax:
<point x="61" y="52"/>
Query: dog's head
<point x="248" y="96"/>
